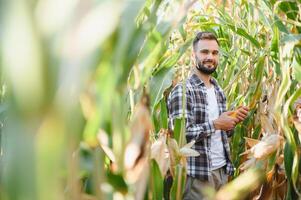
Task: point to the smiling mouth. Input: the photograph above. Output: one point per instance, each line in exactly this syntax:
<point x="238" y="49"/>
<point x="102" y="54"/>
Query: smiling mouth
<point x="209" y="65"/>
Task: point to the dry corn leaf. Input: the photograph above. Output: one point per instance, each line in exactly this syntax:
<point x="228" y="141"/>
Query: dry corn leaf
<point x="178" y="155"/>
<point x="262" y="150"/>
<point x="265" y="192"/>
<point x="140" y="127"/>
<point x="276" y="180"/>
<point x="274" y="187"/>
<point x="135" y="158"/>
<point x="267" y="145"/>
<point x="251" y="142"/>
<point x="247" y="164"/>
<point x="241" y="186"/>
<point x="104" y="142"/>
<point x="186" y="150"/>
<point x="173" y="150"/>
<point x="297" y="124"/>
<point x="270" y="174"/>
<point x="159" y="152"/>
<point x="280" y="159"/>
<point x="272" y="97"/>
<point x="173" y="146"/>
<point x="138" y="171"/>
<point x="142" y="179"/>
<point x="267" y="124"/>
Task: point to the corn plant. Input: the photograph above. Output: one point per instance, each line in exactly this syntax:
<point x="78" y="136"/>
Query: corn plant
<point x="260" y="68"/>
<point x="84" y="87"/>
<point x="79" y="75"/>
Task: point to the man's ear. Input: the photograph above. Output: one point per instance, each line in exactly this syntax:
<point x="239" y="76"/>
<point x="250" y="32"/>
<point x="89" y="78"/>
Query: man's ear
<point x="192" y="56"/>
<point x="192" y="53"/>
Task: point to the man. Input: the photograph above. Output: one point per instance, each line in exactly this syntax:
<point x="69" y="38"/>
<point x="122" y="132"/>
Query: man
<point x="207" y="121"/>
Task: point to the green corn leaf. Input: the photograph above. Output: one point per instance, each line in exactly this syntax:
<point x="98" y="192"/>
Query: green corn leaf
<point x="158" y="84"/>
<point x="177" y="129"/>
<point x="183" y="32"/>
<point x="163" y="114"/>
<point x="242" y="32"/>
<point x="178" y="185"/>
<point x="295" y="171"/>
<point x="156" y="119"/>
<point x="275" y="49"/>
<point x="118" y="182"/>
<point x="288" y="160"/>
<point x="290" y="9"/>
<point x="156" y="181"/>
<point x="280" y="25"/>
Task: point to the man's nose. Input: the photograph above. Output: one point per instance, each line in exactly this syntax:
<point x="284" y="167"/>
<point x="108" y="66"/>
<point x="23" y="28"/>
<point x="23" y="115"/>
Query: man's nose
<point x="210" y="56"/>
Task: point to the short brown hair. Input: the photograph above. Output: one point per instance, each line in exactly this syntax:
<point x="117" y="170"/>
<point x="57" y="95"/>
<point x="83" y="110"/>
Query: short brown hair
<point x="203" y="36"/>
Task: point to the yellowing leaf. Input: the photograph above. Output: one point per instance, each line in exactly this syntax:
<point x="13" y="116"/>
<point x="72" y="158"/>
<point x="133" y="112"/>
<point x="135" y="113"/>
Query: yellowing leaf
<point x="186" y="150"/>
<point x="247" y="164"/>
<point x="297" y="124"/>
<point x="266" y="146"/>
<point x="159" y="153"/>
<point x="251" y="142"/>
<point x="189" y="145"/>
<point x="261" y="150"/>
<point x="140" y="127"/>
<point x="266" y="124"/>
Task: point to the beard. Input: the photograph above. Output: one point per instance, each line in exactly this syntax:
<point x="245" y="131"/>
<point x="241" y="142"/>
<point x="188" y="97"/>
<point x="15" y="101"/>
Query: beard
<point x="201" y="66"/>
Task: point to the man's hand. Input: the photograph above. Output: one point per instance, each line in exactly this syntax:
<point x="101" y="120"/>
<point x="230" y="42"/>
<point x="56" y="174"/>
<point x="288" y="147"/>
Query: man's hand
<point x="241" y="113"/>
<point x="225" y="122"/>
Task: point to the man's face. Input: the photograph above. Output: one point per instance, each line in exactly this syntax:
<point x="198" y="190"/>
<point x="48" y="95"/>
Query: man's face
<point x="206" y="54"/>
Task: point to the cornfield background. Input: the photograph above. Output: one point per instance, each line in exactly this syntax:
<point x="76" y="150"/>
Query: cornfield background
<point x="84" y="86"/>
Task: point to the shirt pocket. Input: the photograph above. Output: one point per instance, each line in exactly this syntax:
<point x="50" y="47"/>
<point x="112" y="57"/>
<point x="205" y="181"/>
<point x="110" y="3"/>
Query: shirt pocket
<point x="200" y="107"/>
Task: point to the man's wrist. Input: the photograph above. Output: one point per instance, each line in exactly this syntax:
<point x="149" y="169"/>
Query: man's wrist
<point x="215" y="124"/>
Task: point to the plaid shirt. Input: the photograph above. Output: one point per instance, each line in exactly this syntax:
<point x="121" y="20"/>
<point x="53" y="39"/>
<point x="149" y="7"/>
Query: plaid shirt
<point x="198" y="126"/>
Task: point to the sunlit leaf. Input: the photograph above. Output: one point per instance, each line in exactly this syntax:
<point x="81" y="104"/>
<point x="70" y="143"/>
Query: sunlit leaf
<point x="238" y="188"/>
<point x="159" y="82"/>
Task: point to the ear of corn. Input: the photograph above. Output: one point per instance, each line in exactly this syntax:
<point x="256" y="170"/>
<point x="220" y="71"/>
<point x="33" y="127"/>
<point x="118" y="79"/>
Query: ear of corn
<point x="233" y="114"/>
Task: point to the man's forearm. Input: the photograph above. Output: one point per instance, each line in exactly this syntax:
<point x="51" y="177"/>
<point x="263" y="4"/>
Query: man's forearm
<point x="200" y="131"/>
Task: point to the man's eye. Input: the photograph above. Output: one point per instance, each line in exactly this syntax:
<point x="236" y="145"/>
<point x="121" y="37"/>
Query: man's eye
<point x="215" y="53"/>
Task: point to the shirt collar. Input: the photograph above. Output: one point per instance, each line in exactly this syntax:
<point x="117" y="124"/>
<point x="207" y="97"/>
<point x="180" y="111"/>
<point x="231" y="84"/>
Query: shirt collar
<point x="197" y="81"/>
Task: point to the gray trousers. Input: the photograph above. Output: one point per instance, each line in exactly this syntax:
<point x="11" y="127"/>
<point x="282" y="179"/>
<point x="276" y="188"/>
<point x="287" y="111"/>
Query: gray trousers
<point x="194" y="187"/>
